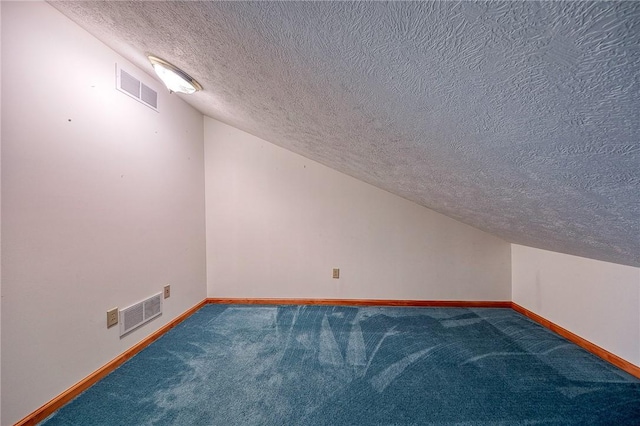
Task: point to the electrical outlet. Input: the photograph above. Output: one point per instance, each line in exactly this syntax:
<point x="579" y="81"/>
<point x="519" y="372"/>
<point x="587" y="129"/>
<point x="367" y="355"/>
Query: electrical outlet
<point x="167" y="291"/>
<point x="336" y="273"/>
<point x="112" y="317"/>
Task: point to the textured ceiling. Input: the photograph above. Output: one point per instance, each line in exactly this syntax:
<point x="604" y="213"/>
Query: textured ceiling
<point x="519" y="118"/>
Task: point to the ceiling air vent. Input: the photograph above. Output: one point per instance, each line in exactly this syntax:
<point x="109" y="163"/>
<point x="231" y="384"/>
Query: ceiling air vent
<point x="133" y="87"/>
<point x="139" y="313"/>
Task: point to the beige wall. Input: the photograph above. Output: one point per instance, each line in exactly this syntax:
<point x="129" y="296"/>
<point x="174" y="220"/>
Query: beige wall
<point x="596" y="300"/>
<point x="277" y="223"/>
<point x="102" y="205"/>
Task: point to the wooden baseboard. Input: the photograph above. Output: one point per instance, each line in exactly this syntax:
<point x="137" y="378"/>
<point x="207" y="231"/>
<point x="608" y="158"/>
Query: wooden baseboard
<point x="583" y="343"/>
<point x="50" y="407"/>
<point x="363" y="302"/>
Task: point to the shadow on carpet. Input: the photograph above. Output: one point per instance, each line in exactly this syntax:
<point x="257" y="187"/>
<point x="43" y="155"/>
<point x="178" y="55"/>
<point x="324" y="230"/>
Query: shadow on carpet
<point x="337" y="365"/>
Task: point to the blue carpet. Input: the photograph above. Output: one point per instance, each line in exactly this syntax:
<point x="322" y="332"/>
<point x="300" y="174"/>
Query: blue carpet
<point x="337" y="365"/>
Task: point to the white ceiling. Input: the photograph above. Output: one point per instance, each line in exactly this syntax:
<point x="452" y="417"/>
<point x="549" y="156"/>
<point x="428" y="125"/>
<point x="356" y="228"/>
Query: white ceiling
<point x="519" y="118"/>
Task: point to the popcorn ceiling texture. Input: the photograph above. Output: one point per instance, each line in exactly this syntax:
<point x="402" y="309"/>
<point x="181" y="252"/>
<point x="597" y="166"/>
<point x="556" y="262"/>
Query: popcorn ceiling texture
<point x="519" y="118"/>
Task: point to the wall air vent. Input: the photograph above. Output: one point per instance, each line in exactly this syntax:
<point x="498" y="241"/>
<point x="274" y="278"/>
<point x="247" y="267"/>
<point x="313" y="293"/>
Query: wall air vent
<point x="133" y="87"/>
<point x="139" y="313"/>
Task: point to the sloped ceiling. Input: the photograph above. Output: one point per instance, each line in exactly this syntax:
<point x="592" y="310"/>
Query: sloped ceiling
<point x="519" y="118"/>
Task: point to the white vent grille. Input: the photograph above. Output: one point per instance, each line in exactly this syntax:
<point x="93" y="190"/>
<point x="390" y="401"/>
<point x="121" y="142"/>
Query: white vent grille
<point x="137" y="314"/>
<point x="129" y="84"/>
<point x="136" y="89"/>
<point x="149" y="96"/>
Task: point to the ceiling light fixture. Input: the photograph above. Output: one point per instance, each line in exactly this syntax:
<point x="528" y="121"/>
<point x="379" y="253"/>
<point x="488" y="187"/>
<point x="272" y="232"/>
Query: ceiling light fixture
<point x="173" y="77"/>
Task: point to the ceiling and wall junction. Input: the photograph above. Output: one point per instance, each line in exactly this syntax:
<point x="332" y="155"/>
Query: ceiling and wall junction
<point x="518" y="118"/>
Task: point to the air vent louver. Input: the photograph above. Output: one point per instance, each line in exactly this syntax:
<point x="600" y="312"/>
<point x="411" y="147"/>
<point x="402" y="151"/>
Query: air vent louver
<point x="137" y="314"/>
<point x="149" y="96"/>
<point x="133" y="87"/>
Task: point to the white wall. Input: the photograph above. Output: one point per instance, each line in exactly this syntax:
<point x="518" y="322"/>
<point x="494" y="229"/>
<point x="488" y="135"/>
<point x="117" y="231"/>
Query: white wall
<point x="102" y="205"/>
<point x="0" y="221"/>
<point x="596" y="300"/>
<point x="277" y="223"/>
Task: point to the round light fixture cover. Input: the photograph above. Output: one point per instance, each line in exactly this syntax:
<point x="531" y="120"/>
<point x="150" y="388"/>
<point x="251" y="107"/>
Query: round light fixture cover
<point x="173" y="77"/>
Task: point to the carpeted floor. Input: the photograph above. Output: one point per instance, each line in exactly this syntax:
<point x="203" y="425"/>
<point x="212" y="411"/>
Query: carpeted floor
<point x="337" y="365"/>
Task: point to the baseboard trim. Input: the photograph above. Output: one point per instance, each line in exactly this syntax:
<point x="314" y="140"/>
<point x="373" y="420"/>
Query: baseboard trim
<point x="362" y="302"/>
<point x="56" y="403"/>
<point x="583" y="343"/>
